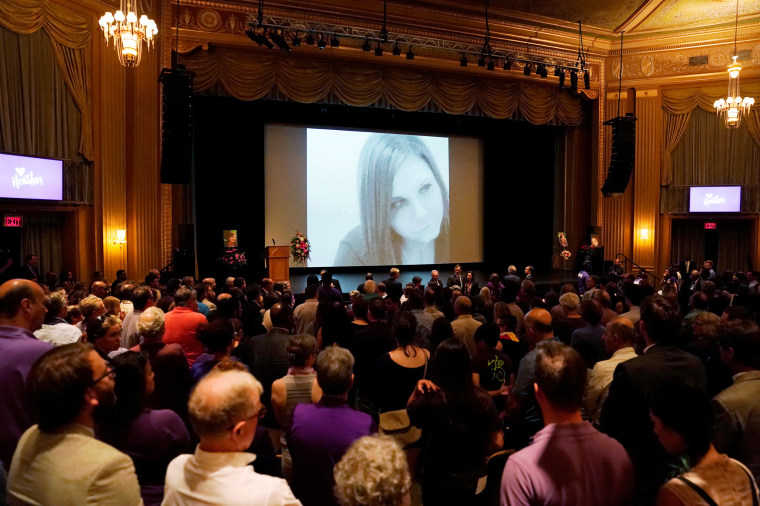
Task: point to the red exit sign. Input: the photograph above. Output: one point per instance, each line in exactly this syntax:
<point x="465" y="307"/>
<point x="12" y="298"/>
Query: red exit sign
<point x="13" y="221"/>
<point x="711" y="226"/>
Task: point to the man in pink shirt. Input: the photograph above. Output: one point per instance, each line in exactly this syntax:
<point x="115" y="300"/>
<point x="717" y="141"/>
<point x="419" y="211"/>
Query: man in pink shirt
<point x="182" y="321"/>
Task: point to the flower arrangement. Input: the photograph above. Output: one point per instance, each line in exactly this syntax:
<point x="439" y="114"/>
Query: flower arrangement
<point x="300" y="248"/>
<point x="565" y="254"/>
<point x="234" y="258"/>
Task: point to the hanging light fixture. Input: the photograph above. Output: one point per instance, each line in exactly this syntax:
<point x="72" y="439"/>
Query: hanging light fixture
<point x="128" y="32"/>
<point x="734" y="107"/>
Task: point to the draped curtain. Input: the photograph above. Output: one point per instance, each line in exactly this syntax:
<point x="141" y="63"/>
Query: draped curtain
<point x="42" y="236"/>
<point x="248" y="75"/>
<point x="69" y="35"/>
<point x="699" y="150"/>
<point x="734" y="246"/>
<point x="688" y="238"/>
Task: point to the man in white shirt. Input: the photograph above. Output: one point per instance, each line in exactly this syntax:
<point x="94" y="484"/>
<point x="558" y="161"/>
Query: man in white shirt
<point x="55" y="330"/>
<point x="618" y="340"/>
<point x="224" y="409"/>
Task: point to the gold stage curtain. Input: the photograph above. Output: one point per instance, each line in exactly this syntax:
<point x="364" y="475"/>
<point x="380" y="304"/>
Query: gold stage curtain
<point x="251" y="75"/>
<point x="70" y="34"/>
<point x="673" y="128"/>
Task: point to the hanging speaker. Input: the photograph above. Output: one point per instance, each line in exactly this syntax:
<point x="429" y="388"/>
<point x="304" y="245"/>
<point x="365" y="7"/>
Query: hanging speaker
<point x="176" y="126"/>
<point x="623" y="156"/>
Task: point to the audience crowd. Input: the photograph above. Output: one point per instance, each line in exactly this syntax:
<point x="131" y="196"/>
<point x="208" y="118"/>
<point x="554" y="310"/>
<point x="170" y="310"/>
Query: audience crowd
<point x="622" y="388"/>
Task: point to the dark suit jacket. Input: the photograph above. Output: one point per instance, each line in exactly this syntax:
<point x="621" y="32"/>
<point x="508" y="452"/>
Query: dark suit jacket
<point x="474" y="290"/>
<point x="625" y="414"/>
<point x="455" y="280"/>
<point x="685" y="270"/>
<point x="393" y="288"/>
<point x="737" y="421"/>
<point x="370" y="343"/>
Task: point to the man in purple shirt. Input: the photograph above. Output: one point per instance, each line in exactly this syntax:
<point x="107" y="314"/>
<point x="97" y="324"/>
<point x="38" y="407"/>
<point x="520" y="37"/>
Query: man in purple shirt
<point x="22" y="310"/>
<point x="568" y="461"/>
<point x="321" y="433"/>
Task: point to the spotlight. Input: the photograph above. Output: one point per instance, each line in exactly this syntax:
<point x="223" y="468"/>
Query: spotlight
<point x="366" y="47"/>
<point x="574" y="80"/>
<point x="396" y="50"/>
<point x="507" y="64"/>
<point x="277" y="38"/>
<point x="586" y="80"/>
<point x="482" y="60"/>
<point x="379" y="50"/>
<point x="526" y="69"/>
<point x="259" y="37"/>
<point x="322" y="43"/>
<point x="410" y="53"/>
<point x="558" y="71"/>
<point x="334" y="42"/>
<point x="296" y="40"/>
<point x="562" y="79"/>
<point x="491" y="64"/>
<point x="543" y="72"/>
<point x="463" y="61"/>
<point x="310" y="39"/>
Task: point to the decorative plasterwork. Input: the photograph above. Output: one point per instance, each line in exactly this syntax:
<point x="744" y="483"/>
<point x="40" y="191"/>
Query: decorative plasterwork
<point x="607" y="14"/>
<point x="673" y="13"/>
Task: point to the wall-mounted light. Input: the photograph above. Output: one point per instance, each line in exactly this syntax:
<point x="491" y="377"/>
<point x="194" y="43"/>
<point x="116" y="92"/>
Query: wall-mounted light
<point x="120" y="238"/>
<point x="644" y="234"/>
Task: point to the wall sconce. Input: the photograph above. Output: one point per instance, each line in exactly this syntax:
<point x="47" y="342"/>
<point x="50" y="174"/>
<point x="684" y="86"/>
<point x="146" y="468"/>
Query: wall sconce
<point x="644" y="234"/>
<point x="120" y="238"/>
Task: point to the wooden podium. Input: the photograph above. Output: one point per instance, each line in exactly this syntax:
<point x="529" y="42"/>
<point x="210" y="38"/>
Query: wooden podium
<point x="278" y="266"/>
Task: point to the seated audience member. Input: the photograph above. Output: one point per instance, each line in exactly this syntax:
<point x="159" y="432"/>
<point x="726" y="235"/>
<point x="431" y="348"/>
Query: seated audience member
<point x="224" y="409"/>
<point x="523" y="411"/>
<point x="112" y="305"/>
<point x="588" y="340"/>
<point x="74" y="316"/>
<point x="104" y="333"/>
<point x="304" y="314"/>
<point x="397" y="372"/>
<point x="737" y="419"/>
<point x="217" y="338"/>
<point x="182" y="322"/>
<point x="683" y="422"/>
<point x="568" y="461"/>
<point x="22" y="310"/>
<point x="297" y="387"/>
<point x="266" y="356"/>
<point x="634" y="295"/>
<point x="165" y="303"/>
<point x="152" y="438"/>
<point x="604" y="300"/>
<point x="491" y="369"/>
<point x="201" y="295"/>
<point x="321" y="433"/>
<point x="167" y="361"/>
<point x="91" y="307"/>
<point x="99" y="289"/>
<point x="59" y="461"/>
<point x="460" y="425"/>
<point x="625" y="414"/>
<point x="142" y="298"/>
<point x="705" y="346"/>
<point x="210" y="284"/>
<point x="373" y="472"/>
<point x="570" y="319"/>
<point x="465" y="325"/>
<point x="618" y="341"/>
<point x="55" y="330"/>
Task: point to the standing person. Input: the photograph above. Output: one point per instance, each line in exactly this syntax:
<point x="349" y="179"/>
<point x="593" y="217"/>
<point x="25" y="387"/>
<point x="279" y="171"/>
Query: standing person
<point x="321" y="433"/>
<point x="470" y="287"/>
<point x="393" y="285"/>
<point x="22" y="310"/>
<point x="465" y="325"/>
<point x="142" y="298"/>
<point x="371" y="343"/>
<point x="30" y="270"/>
<point x="68" y="385"/>
<point x="683" y="422"/>
<point x="460" y="426"/>
<point x="456" y="279"/>
<point x="403" y="206"/>
<point x="491" y="369"/>
<point x="568" y="461"/>
<point x="625" y="415"/>
<point x="152" y="438"/>
<point x="182" y="322"/>
<point x="305" y="314"/>
<point x="434" y="279"/>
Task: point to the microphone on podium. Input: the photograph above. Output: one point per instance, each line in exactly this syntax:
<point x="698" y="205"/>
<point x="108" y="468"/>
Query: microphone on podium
<point x="273" y="243"/>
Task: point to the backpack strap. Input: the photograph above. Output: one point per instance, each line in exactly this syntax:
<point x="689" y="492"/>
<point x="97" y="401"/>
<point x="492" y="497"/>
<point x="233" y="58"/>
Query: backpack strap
<point x="696" y="488"/>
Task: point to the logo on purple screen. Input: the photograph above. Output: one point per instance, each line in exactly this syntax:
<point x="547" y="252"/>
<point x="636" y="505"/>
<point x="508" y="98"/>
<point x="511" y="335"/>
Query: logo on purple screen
<point x="715" y="199"/>
<point x="24" y="177"/>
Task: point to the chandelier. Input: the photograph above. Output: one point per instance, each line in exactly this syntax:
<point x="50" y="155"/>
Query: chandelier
<point x="128" y="32"/>
<point x="734" y="107"/>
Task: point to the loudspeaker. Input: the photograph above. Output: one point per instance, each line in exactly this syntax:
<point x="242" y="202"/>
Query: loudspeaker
<point x="623" y="155"/>
<point x="177" y="126"/>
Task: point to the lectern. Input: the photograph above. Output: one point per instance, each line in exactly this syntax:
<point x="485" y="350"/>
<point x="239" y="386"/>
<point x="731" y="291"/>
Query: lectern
<point x="278" y="263"/>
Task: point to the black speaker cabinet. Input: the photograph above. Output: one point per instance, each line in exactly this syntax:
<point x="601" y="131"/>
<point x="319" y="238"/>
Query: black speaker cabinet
<point x="177" y="126"/>
<point x="623" y="155"/>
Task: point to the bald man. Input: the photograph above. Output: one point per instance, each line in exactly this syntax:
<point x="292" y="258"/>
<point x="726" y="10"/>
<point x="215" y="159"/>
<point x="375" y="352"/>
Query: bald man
<point x="465" y="325"/>
<point x="22" y="311"/>
<point x="224" y="409"/>
<point x="618" y="341"/>
<point x="522" y="408"/>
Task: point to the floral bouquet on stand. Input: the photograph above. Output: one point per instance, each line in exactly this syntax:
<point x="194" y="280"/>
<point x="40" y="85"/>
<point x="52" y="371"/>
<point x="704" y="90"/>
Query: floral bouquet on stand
<point x="300" y="248"/>
<point x="234" y="258"/>
<point x="565" y="254"/>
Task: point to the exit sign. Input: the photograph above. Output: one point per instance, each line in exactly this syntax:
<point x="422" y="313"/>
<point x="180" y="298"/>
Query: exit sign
<point x="13" y="221"/>
<point x="711" y="226"/>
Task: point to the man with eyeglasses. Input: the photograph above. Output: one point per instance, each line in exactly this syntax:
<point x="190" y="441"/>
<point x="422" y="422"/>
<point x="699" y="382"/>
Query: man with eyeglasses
<point x="22" y="311"/>
<point x="224" y="409"/>
<point x="59" y="461"/>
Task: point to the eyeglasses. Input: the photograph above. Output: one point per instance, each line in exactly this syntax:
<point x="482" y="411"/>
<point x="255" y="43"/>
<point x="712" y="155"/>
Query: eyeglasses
<point x="261" y="413"/>
<point x="111" y="372"/>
